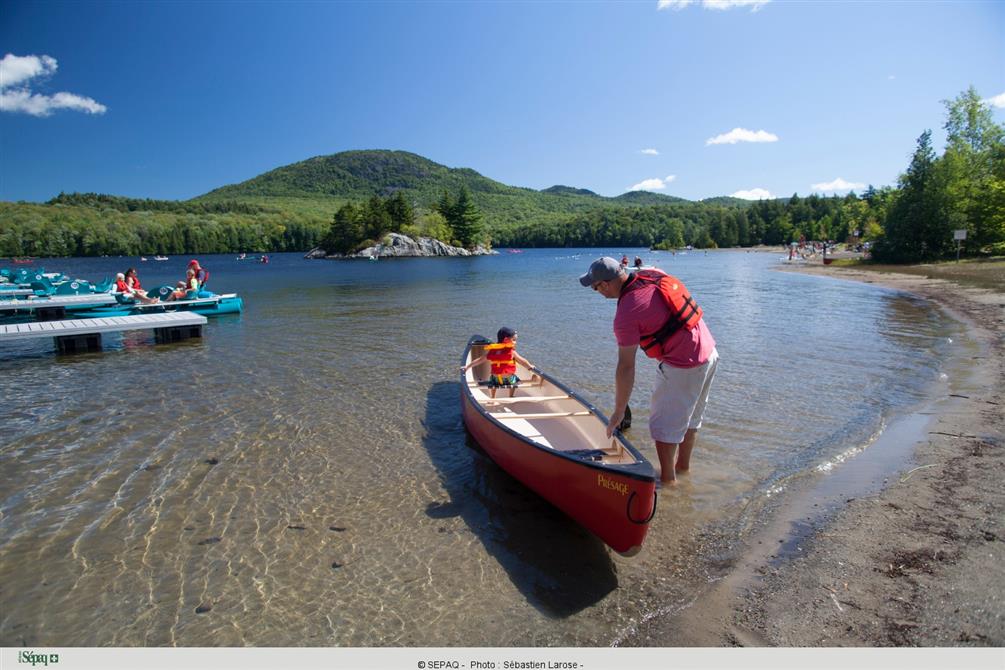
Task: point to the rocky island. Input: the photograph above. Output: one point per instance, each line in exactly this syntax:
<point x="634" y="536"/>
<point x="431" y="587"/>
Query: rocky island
<point x="403" y="246"/>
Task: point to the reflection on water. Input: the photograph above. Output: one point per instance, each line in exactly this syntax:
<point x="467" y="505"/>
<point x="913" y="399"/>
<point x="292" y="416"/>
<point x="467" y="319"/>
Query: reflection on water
<point x="301" y="476"/>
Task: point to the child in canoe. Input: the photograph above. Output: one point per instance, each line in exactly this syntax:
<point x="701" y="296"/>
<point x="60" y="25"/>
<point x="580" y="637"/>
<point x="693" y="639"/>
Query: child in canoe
<point x="503" y="357"/>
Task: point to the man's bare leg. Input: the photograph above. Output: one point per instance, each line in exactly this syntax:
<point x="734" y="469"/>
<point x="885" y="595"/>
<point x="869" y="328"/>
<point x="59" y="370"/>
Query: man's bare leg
<point x="683" y="463"/>
<point x="667" y="453"/>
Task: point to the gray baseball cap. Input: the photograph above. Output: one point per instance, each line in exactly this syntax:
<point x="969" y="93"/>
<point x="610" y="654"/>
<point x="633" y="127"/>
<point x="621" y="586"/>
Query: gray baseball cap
<point x="602" y="269"/>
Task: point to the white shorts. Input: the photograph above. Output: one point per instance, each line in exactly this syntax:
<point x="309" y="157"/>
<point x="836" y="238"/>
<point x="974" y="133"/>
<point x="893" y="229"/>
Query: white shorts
<point x="679" y="399"/>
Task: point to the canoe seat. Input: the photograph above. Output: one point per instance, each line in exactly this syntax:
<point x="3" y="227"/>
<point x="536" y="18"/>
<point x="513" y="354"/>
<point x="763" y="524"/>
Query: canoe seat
<point x="615" y="448"/>
<point x="529" y="398"/>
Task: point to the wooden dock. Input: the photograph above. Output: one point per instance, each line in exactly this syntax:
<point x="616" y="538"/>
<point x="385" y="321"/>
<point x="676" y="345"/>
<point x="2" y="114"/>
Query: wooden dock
<point x="85" y="334"/>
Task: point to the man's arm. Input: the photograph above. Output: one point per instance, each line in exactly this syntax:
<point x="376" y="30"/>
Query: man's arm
<point x="624" y="381"/>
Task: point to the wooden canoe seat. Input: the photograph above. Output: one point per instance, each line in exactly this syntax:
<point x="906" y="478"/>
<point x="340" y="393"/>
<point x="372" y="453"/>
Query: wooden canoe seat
<point x="615" y="448"/>
<point x="543" y="415"/>
<point x="509" y="401"/>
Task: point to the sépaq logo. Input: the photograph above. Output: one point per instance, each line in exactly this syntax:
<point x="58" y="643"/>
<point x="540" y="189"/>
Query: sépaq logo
<point x="37" y="659"/>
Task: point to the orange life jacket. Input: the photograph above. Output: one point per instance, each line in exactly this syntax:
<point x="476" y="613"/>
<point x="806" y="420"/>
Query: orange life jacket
<point x="121" y="287"/>
<point x="501" y="357"/>
<point x="684" y="311"/>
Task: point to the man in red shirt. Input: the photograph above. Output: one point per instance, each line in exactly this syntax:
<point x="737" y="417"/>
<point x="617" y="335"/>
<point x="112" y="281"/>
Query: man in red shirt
<point x="687" y="355"/>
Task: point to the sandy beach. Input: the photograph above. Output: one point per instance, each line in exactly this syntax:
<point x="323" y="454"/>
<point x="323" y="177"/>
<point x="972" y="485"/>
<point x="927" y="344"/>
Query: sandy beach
<point x="919" y="562"/>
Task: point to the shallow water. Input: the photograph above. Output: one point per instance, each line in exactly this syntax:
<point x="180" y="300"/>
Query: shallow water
<point x="303" y="473"/>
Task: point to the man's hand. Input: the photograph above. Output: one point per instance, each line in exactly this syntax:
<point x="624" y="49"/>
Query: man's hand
<point x="616" y="418"/>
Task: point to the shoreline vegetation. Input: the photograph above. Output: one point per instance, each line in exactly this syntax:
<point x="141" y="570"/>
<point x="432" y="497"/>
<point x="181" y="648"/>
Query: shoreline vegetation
<point x="920" y="562"/>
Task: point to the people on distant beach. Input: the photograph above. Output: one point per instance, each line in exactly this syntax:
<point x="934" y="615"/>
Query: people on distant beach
<point x="134" y="288"/>
<point x="201" y="273"/>
<point x="503" y="357"/>
<point x="656" y="312"/>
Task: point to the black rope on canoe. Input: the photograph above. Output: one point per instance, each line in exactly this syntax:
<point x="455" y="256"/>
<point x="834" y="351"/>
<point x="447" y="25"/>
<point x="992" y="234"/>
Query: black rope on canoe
<point x="628" y="510"/>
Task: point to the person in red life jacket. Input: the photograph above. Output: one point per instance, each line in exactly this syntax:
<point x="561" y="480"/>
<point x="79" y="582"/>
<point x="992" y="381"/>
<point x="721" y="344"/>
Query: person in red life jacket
<point x="188" y="289"/>
<point x="201" y="273"/>
<point x="133" y="284"/>
<point x="657" y="313"/>
<point x="503" y="357"/>
<point x="122" y="286"/>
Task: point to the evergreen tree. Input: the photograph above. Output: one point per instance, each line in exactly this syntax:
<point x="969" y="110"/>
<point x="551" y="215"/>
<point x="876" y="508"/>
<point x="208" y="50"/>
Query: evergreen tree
<point x="917" y="227"/>
<point x="465" y="219"/>
<point x="400" y="211"/>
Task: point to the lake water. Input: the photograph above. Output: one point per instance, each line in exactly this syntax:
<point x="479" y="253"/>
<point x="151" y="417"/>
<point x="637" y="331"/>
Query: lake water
<point x="301" y="476"/>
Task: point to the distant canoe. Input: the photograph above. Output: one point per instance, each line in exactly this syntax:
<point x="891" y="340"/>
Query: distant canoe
<point x="555" y="442"/>
<point x="160" y="258"/>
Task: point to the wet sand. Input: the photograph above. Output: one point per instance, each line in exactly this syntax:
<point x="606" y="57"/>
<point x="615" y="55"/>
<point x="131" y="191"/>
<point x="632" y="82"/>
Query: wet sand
<point x="918" y="562"/>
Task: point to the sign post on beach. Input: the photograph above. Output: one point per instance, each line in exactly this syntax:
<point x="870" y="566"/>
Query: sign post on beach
<point x="959" y="235"/>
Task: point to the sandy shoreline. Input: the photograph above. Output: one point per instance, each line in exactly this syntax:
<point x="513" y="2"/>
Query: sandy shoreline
<point x="920" y="562"/>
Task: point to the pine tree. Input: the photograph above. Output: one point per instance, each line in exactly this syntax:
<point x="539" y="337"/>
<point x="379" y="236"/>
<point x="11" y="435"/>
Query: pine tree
<point x="918" y="227"/>
<point x="465" y="219"/>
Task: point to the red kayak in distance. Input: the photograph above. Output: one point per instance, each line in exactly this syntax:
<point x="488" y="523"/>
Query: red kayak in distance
<point x="555" y="443"/>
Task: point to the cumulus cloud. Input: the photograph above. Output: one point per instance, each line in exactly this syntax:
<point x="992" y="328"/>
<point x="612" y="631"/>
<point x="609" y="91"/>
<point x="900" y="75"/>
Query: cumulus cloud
<point x="754" y="194"/>
<point x="997" y="101"/>
<point x="649" y="152"/>
<point x="839" y="185"/>
<point x="742" y="135"/>
<point x="16" y="74"/>
<point x="719" y="5"/>
<point x="653" y="184"/>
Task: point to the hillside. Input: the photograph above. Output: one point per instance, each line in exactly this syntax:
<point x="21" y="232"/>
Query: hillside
<point x="291" y="208"/>
<point x="647" y="198"/>
<point x="326" y="182"/>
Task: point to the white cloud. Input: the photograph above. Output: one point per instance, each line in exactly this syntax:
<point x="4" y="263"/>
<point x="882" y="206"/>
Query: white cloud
<point x="16" y="72"/>
<point x="15" y="69"/>
<point x="722" y="5"/>
<point x="839" y="185"/>
<point x="997" y="101"/>
<point x="719" y="5"/>
<point x="653" y="184"/>
<point x="754" y="194"/>
<point x="742" y="135"/>
<point x="891" y="77"/>
<point x="649" y="152"/>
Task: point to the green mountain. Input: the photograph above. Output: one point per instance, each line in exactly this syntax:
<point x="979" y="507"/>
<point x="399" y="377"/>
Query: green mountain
<point x="292" y="208"/>
<point x="727" y="201"/>
<point x="323" y="183"/>
<point x="360" y="175"/>
<point x="558" y="189"/>
<point x="647" y="198"/>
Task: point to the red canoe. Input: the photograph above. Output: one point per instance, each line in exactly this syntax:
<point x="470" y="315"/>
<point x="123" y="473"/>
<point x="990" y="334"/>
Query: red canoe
<point x="555" y="442"/>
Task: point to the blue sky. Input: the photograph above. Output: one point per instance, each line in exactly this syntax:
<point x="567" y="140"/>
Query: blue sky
<point x="171" y="100"/>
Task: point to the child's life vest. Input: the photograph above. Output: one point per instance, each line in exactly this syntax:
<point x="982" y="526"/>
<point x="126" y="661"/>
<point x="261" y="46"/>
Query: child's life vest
<point x="501" y="357"/>
<point x="684" y="311"/>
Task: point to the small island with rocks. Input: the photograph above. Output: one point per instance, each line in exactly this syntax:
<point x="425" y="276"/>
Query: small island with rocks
<point x="402" y="246"/>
